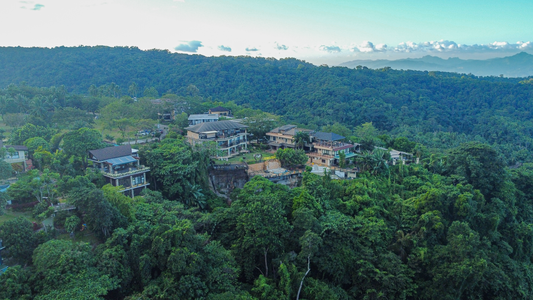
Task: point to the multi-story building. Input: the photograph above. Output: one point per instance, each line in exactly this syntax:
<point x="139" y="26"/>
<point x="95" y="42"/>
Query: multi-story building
<point x="202" y="118"/>
<point x="221" y="111"/>
<point x="120" y="167"/>
<point x="229" y="137"/>
<point x="283" y="137"/>
<point x="324" y="147"/>
<point x="327" y="148"/>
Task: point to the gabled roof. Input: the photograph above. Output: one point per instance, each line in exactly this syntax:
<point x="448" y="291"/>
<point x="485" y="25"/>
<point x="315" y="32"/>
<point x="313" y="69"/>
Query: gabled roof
<point x="289" y="130"/>
<point x="327" y="136"/>
<point x="17" y="147"/>
<point x="219" y="108"/>
<point x="215" y="126"/>
<point x="111" y="152"/>
<point x="203" y="116"/>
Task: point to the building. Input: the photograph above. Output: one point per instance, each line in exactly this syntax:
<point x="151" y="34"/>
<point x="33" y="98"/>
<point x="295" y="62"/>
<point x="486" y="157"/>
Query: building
<point x="230" y="137"/>
<point x="221" y="111"/>
<point x="202" y="118"/>
<point x="283" y="137"/>
<point x="19" y="155"/>
<point x="327" y="148"/>
<point x="324" y="147"/>
<point x="120" y="167"/>
<point x="400" y="156"/>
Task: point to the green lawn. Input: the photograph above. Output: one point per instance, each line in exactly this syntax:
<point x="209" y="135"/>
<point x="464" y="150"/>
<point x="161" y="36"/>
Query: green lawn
<point x="248" y="157"/>
<point x="10" y="215"/>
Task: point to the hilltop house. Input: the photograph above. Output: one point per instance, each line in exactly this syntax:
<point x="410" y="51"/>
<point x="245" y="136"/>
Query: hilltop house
<point x="324" y="147"/>
<point x="230" y="137"/>
<point x="221" y="111"/>
<point x="19" y="154"/>
<point x="327" y="147"/>
<point x="283" y="137"/>
<point x="400" y="156"/>
<point x="202" y="118"/>
<point x="120" y="167"/>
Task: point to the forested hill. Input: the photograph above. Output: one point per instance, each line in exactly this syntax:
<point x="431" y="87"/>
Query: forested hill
<point x="491" y="109"/>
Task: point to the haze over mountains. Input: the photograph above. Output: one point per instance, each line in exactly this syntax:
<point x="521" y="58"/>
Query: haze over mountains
<point x="518" y="65"/>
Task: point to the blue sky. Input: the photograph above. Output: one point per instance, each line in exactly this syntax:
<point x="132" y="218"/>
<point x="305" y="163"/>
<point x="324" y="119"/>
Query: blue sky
<point x="320" y="32"/>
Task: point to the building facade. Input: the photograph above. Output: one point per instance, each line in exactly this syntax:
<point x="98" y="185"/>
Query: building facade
<point x="324" y="148"/>
<point x="121" y="167"/>
<point x="202" y="118"/>
<point x="283" y="137"/>
<point x="230" y="138"/>
<point x="219" y="110"/>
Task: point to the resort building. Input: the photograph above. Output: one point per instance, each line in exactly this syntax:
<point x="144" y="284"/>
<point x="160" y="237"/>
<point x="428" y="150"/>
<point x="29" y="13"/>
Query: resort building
<point x="120" y="167"/>
<point x="221" y="111"/>
<point x="283" y="137"/>
<point x="327" y="149"/>
<point x="230" y="138"/>
<point x="202" y="118"/>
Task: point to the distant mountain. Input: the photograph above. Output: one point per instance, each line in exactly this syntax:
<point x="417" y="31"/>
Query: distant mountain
<point x="518" y="65"/>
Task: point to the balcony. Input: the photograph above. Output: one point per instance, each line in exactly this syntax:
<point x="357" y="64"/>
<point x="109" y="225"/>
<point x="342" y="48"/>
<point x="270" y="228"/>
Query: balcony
<point x="126" y="171"/>
<point x="219" y="136"/>
<point x="332" y="145"/>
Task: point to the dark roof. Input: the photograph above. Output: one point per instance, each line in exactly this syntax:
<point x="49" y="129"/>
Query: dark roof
<point x="327" y="136"/>
<point x="215" y="126"/>
<point x="111" y="152"/>
<point x="219" y="108"/>
<point x="17" y="147"/>
<point x="289" y="130"/>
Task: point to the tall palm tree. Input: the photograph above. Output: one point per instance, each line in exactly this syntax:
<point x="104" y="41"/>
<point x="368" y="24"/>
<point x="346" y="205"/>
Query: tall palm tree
<point x="301" y="138"/>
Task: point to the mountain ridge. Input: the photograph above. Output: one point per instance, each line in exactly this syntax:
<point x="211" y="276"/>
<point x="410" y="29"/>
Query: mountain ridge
<point x="518" y="65"/>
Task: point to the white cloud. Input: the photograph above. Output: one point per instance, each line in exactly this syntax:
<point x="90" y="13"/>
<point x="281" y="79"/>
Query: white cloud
<point x="191" y="46"/>
<point x="330" y="49"/>
<point x="367" y="47"/>
<point x="451" y="46"/>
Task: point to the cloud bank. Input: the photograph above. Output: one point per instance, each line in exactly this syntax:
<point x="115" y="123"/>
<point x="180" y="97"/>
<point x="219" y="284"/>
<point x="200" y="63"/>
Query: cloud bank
<point x="330" y="49"/>
<point x="281" y="47"/>
<point x="252" y="49"/>
<point x="224" y="48"/>
<point x="191" y="46"/>
<point x="443" y="46"/>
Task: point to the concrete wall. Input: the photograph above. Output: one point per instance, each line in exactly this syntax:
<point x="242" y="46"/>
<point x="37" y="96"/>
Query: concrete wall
<point x="225" y="181"/>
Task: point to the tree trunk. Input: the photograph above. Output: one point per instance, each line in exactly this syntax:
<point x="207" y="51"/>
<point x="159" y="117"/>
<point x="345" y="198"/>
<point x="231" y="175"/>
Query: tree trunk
<point x="302" y="282"/>
<point x="266" y="263"/>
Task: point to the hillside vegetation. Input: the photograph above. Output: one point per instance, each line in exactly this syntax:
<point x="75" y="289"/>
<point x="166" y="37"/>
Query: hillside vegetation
<point x="439" y="110"/>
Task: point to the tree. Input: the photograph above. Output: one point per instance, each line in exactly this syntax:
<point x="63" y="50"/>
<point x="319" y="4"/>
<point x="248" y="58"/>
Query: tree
<point x="342" y="159"/>
<point x="338" y="129"/>
<point x="71" y="223"/>
<point x="35" y="143"/>
<point x="18" y="238"/>
<point x="480" y="165"/>
<point x="132" y="90"/>
<point x="262" y="228"/>
<point x="290" y="157"/>
<point x="301" y="138"/>
<point x="79" y="142"/>
<point x="260" y="124"/>
<point x="6" y="171"/>
<point x="173" y="165"/>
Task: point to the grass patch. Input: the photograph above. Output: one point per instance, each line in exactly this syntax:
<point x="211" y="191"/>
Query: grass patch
<point x="10" y="215"/>
<point x="80" y="236"/>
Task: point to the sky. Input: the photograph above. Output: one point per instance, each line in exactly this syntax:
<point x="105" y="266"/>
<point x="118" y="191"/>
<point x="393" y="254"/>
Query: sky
<point x="320" y="32"/>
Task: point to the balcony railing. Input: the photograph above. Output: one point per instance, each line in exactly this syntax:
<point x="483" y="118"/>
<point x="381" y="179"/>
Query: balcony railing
<point x="126" y="172"/>
<point x="222" y="136"/>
